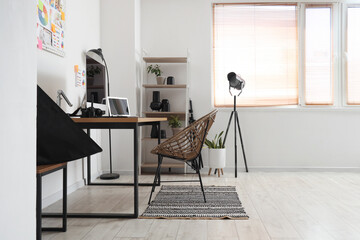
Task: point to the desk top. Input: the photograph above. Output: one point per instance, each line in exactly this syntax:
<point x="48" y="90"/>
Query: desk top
<point x="119" y="120"/>
<point x="46" y="168"/>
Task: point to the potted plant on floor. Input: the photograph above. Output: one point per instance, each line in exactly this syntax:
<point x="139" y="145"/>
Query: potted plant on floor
<point x="175" y="124"/>
<point x="157" y="71"/>
<point x="217" y="153"/>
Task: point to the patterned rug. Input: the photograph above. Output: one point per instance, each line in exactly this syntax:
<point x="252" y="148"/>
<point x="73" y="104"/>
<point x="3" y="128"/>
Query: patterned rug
<point x="187" y="202"/>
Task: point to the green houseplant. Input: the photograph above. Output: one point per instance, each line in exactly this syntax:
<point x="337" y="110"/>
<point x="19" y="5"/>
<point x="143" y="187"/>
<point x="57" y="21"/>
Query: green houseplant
<point x="157" y="71"/>
<point x="175" y="124"/>
<point x="217" y="153"/>
<point x="216" y="143"/>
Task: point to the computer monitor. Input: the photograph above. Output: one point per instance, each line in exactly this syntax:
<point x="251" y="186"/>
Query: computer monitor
<point x="95" y="80"/>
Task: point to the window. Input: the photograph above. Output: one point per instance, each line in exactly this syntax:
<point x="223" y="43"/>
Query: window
<point x="353" y="56"/>
<point x="258" y="42"/>
<point x="288" y="53"/>
<point x="318" y="56"/>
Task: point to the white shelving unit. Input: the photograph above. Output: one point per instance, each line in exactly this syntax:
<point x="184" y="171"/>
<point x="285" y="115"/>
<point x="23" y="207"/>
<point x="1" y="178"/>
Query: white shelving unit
<point x="178" y="96"/>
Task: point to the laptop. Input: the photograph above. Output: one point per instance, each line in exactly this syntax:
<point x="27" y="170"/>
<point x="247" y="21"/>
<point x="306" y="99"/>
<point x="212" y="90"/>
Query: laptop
<point x="118" y="107"/>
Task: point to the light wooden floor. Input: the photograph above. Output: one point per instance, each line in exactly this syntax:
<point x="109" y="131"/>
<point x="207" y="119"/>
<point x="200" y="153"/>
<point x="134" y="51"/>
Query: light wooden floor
<point x="281" y="205"/>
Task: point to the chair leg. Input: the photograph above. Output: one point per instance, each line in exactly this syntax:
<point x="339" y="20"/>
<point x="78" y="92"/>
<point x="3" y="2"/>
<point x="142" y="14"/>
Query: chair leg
<point x="201" y="161"/>
<point x="209" y="171"/>
<point x="202" y="187"/>
<point x="157" y="176"/>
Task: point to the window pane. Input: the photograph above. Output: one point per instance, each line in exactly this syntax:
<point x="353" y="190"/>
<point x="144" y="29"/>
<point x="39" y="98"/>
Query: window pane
<point x="353" y="63"/>
<point x="318" y="56"/>
<point x="258" y="42"/>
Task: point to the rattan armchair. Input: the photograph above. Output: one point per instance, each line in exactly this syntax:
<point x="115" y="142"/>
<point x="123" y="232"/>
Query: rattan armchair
<point x="185" y="146"/>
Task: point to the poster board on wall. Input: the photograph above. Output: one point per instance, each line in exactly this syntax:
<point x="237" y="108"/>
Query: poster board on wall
<point x="51" y="26"/>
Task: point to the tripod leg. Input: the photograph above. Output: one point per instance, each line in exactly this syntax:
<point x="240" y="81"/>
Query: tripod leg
<point x="227" y="129"/>
<point x="201" y="164"/>
<point x="235" y="144"/>
<point x="242" y="144"/>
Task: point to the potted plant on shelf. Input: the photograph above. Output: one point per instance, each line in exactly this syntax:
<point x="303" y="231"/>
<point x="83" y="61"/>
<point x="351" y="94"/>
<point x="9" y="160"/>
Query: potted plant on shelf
<point x="91" y="72"/>
<point x="157" y="71"/>
<point x="217" y="153"/>
<point x="175" y="124"/>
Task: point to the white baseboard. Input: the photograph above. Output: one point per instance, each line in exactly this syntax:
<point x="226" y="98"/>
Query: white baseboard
<point x="265" y="169"/>
<point x="93" y="177"/>
<point x="124" y="172"/>
<point x="289" y="169"/>
<point x="58" y="195"/>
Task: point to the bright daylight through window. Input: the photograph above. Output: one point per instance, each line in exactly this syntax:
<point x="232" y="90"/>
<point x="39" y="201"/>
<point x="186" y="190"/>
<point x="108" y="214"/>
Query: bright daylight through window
<point x="353" y="56"/>
<point x="318" y="56"/>
<point x="288" y="54"/>
<point x="259" y="42"/>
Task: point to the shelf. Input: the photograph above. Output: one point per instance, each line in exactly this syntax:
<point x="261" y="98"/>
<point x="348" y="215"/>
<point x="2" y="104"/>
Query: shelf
<point x="164" y="86"/>
<point x="151" y="139"/>
<point x="165" y="59"/>
<point x="166" y="114"/>
<point x="164" y="165"/>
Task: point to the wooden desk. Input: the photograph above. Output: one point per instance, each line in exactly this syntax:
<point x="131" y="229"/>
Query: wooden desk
<point x="117" y="123"/>
<point x="119" y="120"/>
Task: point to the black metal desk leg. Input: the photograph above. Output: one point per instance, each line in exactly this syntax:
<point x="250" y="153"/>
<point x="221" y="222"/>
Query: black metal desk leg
<point x="88" y="163"/>
<point x="159" y="158"/>
<point x="64" y="199"/>
<point x="38" y="207"/>
<point x="136" y="173"/>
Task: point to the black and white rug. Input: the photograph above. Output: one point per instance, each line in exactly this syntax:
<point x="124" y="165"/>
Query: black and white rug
<point x="187" y="202"/>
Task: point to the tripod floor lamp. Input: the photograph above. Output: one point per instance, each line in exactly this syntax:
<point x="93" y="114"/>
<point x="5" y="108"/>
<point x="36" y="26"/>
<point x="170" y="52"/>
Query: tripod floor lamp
<point x="236" y="85"/>
<point x="99" y="53"/>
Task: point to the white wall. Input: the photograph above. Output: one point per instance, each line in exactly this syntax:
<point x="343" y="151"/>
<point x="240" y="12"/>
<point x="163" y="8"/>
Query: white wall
<point x="18" y="120"/>
<point x="120" y="43"/>
<point x="82" y="32"/>
<point x="273" y="138"/>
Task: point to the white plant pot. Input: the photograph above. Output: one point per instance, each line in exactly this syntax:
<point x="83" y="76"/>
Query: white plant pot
<point x="160" y="80"/>
<point x="217" y="158"/>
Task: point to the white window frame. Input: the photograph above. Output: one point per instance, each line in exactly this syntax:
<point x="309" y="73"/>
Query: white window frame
<point x="335" y="58"/>
<point x="344" y="53"/>
<point x="339" y="26"/>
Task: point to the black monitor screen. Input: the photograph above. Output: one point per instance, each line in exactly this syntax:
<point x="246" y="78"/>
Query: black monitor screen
<point x="95" y="81"/>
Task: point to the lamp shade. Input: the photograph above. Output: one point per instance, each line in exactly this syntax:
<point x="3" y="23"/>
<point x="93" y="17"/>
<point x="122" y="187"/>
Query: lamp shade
<point x="236" y="81"/>
<point x="96" y="54"/>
